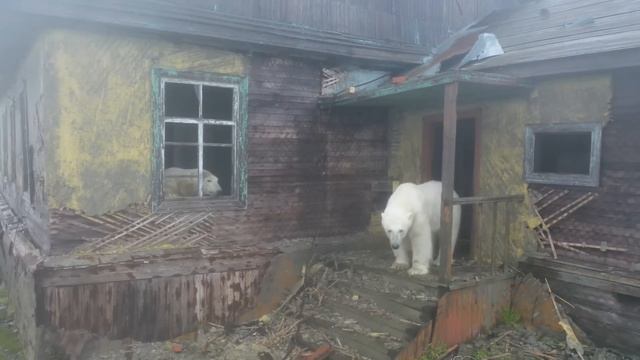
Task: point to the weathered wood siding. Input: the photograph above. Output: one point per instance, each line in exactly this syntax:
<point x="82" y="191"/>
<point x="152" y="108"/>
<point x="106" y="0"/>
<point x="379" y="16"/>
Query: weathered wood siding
<point x="25" y="108"/>
<point x="613" y="216"/>
<point x="418" y="22"/>
<point x="309" y="172"/>
<point x="149" y="309"/>
<point x="605" y="301"/>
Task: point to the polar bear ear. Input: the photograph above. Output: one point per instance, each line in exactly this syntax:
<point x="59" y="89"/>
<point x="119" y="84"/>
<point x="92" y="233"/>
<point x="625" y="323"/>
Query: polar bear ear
<point x="382" y="214"/>
<point x="410" y="216"/>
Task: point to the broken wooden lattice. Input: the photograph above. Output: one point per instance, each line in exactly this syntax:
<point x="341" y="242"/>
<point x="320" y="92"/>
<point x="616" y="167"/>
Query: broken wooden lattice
<point x="149" y="230"/>
<point x="542" y="200"/>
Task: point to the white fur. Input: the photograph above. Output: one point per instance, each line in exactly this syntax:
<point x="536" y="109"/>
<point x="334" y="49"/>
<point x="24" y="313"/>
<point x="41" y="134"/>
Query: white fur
<point x="183" y="182"/>
<point x="411" y="220"/>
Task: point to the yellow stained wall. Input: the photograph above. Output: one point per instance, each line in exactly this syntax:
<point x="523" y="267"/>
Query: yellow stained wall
<point x="101" y="136"/>
<point x="563" y="99"/>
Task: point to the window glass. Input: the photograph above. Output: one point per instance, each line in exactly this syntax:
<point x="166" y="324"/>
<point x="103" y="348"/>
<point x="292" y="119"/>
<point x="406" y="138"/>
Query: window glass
<point x="181" y="100"/>
<point x="218" y="134"/>
<point x="219" y="162"/>
<point x="183" y="133"/>
<point x="564" y="153"/>
<point x="217" y="103"/>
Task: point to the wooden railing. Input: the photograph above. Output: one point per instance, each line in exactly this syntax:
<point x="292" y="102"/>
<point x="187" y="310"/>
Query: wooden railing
<point x="493" y="202"/>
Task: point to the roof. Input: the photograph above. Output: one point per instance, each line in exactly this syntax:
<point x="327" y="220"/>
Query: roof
<point x="536" y="38"/>
<point x="203" y="25"/>
<point x="428" y="90"/>
<point x="557" y="29"/>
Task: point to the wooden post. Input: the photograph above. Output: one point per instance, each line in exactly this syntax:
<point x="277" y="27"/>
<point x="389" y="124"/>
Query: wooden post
<point x="494" y="235"/>
<point x="448" y="170"/>
<point x="508" y="208"/>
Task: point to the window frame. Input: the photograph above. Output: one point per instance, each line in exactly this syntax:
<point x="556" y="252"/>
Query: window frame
<point x="239" y="122"/>
<point x="590" y="180"/>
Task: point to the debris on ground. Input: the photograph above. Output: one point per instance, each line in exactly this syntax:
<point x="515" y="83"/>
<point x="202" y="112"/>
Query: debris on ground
<point x="352" y="306"/>
<point x="518" y="343"/>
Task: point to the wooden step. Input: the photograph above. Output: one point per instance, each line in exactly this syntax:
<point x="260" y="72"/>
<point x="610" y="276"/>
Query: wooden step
<point x="395" y="305"/>
<point x="426" y="286"/>
<point x="374" y="322"/>
<point x="362" y="344"/>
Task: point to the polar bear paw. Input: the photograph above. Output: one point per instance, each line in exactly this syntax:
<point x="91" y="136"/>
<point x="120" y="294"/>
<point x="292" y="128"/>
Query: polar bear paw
<point x="399" y="266"/>
<point x="418" y="269"/>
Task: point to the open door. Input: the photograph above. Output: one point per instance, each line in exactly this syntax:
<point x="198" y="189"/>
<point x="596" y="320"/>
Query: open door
<point x="465" y="169"/>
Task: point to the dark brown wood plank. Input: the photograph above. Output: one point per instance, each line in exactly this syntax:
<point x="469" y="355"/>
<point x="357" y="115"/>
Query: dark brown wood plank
<point x="374" y="322"/>
<point x="363" y="344"/>
<point x="448" y="168"/>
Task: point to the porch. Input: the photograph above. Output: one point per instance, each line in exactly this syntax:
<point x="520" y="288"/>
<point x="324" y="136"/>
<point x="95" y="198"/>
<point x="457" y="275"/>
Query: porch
<point x="443" y="99"/>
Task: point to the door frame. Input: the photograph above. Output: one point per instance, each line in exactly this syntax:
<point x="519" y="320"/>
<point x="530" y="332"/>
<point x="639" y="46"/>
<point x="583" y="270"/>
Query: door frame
<point x="428" y="132"/>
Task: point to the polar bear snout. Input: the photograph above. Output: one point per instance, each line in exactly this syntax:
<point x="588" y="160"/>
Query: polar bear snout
<point x="395" y="246"/>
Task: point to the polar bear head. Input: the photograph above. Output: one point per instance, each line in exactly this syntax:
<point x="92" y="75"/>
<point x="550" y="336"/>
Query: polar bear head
<point x="396" y="224"/>
<point x="211" y="186"/>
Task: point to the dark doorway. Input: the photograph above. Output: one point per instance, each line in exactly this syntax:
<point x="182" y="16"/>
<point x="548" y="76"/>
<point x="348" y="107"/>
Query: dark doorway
<point x="464" y="180"/>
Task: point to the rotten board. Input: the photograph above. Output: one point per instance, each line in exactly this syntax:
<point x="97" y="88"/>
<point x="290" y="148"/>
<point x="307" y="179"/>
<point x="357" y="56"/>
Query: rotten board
<point x="373" y="322"/>
<point x="364" y="345"/>
<point x="393" y="306"/>
<point x="423" y="284"/>
<point x="583" y="275"/>
<point x="68" y="271"/>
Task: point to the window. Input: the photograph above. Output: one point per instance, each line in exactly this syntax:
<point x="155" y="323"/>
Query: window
<point x="563" y="154"/>
<point x="200" y="137"/>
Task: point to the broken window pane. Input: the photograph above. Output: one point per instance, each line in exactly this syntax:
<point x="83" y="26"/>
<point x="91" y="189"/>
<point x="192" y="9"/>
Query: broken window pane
<point x="174" y="132"/>
<point x="219" y="162"/>
<point x="181" y="100"/>
<point x="218" y="134"/>
<point x="217" y="103"/>
<point x="562" y="153"/>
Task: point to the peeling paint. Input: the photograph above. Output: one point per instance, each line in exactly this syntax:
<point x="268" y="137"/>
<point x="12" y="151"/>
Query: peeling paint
<point x="102" y="130"/>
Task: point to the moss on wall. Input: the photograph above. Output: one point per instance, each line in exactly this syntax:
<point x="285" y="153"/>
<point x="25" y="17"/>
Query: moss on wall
<point x="559" y="100"/>
<point x="569" y="99"/>
<point x="100" y="158"/>
<point x="405" y="162"/>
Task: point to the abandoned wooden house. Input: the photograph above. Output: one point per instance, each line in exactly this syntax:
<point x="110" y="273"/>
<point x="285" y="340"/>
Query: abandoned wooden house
<point x="295" y="120"/>
<point x="550" y="113"/>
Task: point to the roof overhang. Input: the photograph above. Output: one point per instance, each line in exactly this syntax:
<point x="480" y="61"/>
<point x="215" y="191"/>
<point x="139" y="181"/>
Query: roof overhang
<point x="428" y="92"/>
<point x="204" y="25"/>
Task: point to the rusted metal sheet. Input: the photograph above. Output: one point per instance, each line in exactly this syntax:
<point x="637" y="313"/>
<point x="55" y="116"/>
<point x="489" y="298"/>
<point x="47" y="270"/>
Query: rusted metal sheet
<point x="151" y="309"/>
<point x="417" y="346"/>
<point x="462" y="314"/>
<point x="532" y="301"/>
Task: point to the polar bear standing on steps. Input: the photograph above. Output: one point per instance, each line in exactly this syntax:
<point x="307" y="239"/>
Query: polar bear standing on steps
<point x="411" y="220"/>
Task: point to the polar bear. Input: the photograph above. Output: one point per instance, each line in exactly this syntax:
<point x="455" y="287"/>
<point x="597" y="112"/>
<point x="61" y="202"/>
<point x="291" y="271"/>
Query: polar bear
<point x="184" y="182"/>
<point x="411" y="220"/>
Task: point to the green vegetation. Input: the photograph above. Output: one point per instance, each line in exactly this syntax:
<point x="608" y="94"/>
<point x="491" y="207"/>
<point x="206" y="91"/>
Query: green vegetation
<point x="434" y="352"/>
<point x="481" y="354"/>
<point x="509" y="317"/>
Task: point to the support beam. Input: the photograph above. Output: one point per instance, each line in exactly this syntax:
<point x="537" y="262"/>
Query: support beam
<point x="448" y="170"/>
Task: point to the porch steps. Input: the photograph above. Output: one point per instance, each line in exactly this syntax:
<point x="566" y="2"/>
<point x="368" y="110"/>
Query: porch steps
<point x="372" y="312"/>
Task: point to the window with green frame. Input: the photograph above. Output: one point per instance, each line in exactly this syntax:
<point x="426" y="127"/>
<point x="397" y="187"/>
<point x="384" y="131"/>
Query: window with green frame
<point x="199" y="137"/>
